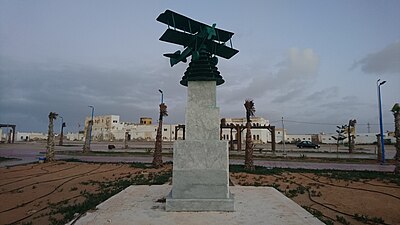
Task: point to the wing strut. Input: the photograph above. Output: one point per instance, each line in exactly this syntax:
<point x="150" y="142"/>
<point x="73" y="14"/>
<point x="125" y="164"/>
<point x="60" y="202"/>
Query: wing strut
<point x="173" y="21"/>
<point x="217" y="35"/>
<point x="190" y="27"/>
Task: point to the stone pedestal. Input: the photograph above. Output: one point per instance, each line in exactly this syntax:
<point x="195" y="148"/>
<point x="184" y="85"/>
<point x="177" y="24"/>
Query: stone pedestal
<point x="200" y="179"/>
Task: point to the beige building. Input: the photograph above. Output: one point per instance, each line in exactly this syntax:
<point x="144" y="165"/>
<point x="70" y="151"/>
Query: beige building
<point x="110" y="128"/>
<point x="146" y="120"/>
<point x="106" y="127"/>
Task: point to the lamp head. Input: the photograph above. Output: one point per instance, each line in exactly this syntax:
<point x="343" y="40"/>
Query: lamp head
<point x="382" y="82"/>
<point x="160" y="91"/>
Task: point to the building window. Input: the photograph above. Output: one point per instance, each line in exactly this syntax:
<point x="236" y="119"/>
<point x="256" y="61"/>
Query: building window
<point x="165" y="129"/>
<point x="115" y="121"/>
<point x="258" y="137"/>
<point x="304" y="139"/>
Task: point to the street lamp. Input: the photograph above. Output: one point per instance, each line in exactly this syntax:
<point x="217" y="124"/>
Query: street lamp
<point x="62" y="131"/>
<point x="90" y="134"/>
<point x="162" y="95"/>
<point x="378" y="84"/>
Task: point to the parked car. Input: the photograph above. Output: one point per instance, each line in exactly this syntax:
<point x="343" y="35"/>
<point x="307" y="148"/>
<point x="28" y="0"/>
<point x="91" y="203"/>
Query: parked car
<point x="307" y="144"/>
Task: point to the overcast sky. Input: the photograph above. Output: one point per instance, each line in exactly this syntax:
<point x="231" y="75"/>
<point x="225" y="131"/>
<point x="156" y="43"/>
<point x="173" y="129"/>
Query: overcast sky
<point x="307" y="61"/>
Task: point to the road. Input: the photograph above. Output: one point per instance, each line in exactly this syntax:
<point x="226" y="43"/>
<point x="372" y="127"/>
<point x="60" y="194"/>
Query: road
<point x="29" y="152"/>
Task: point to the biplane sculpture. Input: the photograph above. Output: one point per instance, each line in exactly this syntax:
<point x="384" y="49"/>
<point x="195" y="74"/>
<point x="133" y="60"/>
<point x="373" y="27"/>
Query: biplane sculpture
<point x="199" y="41"/>
<point x="200" y="180"/>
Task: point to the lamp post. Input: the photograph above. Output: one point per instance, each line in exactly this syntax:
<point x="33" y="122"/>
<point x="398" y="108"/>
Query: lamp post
<point x="90" y="133"/>
<point x="378" y="84"/>
<point x="62" y="131"/>
<point x="162" y="95"/>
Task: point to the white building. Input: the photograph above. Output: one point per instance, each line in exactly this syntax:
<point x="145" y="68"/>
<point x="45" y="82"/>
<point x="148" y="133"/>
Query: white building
<point x="361" y="138"/>
<point x="295" y="138"/>
<point x="259" y="135"/>
<point x="75" y="136"/>
<point x="106" y="128"/>
<point x="29" y="136"/>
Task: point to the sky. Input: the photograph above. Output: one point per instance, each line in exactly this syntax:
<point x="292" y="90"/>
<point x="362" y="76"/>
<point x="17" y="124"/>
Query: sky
<point x="314" y="63"/>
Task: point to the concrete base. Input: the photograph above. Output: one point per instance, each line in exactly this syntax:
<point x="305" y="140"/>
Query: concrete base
<point x="253" y="205"/>
<point x="199" y="205"/>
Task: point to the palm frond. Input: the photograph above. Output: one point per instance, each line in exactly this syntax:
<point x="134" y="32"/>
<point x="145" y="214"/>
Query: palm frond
<point x="249" y="105"/>
<point x="396" y="108"/>
<point x="53" y="115"/>
<point x="163" y="109"/>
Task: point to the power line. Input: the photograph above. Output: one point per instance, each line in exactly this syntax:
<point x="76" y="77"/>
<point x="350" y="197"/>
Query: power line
<point x="331" y="124"/>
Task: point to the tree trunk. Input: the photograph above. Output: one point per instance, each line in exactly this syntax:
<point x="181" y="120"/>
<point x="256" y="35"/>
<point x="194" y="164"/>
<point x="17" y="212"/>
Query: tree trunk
<point x="397" y="145"/>
<point x="379" y="147"/>
<point x="86" y="146"/>
<point x="248" y="163"/>
<point x="50" y="141"/>
<point x="126" y="140"/>
<point x="157" y="156"/>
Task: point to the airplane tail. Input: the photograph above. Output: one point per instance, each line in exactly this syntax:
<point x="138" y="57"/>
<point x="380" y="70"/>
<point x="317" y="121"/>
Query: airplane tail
<point x="174" y="57"/>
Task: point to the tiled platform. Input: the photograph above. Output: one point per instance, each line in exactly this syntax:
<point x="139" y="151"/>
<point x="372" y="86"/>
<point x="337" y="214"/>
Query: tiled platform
<point x="253" y="205"/>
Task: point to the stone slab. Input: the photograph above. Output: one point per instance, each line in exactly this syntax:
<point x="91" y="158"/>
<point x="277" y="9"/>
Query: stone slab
<point x="253" y="205"/>
<point x="198" y="154"/>
<point x="200" y="172"/>
<point x="202" y="114"/>
<point x="201" y="184"/>
<point x="199" y="204"/>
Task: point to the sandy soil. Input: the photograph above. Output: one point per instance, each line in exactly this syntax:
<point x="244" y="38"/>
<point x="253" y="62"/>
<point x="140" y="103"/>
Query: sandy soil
<point x="30" y="193"/>
<point x="334" y="197"/>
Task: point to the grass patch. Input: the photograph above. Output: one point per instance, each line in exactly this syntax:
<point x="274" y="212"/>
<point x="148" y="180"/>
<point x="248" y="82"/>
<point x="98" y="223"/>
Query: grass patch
<point x="105" y="191"/>
<point x="140" y="165"/>
<point x="72" y="160"/>
<point x="333" y="174"/>
<point x="2" y="159"/>
<point x="319" y="215"/>
<point x="367" y="220"/>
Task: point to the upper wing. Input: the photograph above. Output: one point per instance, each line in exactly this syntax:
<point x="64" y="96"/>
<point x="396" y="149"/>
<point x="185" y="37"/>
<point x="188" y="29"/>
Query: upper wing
<point x="185" y="39"/>
<point x="177" y="37"/>
<point x="184" y="23"/>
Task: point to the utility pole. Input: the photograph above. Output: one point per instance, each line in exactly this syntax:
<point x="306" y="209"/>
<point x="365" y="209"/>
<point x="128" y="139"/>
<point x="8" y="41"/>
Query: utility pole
<point x="62" y="131"/>
<point x="283" y="138"/>
<point x="369" y="131"/>
<point x="378" y="83"/>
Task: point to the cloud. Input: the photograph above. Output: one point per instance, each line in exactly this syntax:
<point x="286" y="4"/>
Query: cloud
<point x="299" y="64"/>
<point x="385" y="61"/>
<point x="29" y="91"/>
<point x="283" y="81"/>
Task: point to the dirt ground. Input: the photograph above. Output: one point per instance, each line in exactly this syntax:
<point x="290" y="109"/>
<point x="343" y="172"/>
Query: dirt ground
<point x="53" y="193"/>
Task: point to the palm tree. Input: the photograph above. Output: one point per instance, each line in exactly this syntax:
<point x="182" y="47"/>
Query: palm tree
<point x="50" y="137"/>
<point x="126" y="139"/>
<point x="396" y="113"/>
<point x="157" y="156"/>
<point x="86" y="145"/>
<point x="351" y="137"/>
<point x="248" y="158"/>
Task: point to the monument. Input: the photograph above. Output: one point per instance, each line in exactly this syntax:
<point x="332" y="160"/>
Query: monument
<point x="200" y="180"/>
